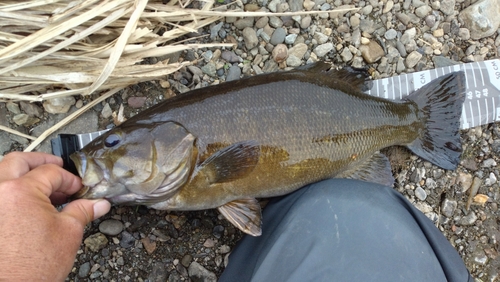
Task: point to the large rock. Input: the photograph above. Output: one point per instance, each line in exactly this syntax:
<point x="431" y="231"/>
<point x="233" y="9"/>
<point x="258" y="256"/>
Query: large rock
<point x="481" y="18"/>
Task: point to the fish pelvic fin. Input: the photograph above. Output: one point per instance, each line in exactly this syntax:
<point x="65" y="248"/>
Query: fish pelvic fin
<point x="244" y="214"/>
<point x="440" y="105"/>
<point x="376" y="169"/>
<point x="231" y="162"/>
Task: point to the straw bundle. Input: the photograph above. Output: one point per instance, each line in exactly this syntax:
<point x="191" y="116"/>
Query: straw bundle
<point x="77" y="47"/>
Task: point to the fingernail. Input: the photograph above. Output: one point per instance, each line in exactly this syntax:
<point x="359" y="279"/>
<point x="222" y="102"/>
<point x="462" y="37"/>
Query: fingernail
<point x="101" y="207"/>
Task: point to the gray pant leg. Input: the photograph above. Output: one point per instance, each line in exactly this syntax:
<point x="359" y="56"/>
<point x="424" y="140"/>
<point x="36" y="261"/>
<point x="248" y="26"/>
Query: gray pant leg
<point x="345" y="230"/>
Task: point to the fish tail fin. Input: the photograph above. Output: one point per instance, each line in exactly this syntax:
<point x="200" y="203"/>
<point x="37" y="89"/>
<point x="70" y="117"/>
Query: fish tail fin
<point x="440" y="107"/>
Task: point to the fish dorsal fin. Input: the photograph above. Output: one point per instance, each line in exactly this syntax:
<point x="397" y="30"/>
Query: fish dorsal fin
<point x="232" y="162"/>
<point x="376" y="169"/>
<point x="244" y="214"/>
<point x="357" y="78"/>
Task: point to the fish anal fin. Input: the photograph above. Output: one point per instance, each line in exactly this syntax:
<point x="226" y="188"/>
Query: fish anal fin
<point x="376" y="169"/>
<point x="244" y="214"/>
<point x="232" y="162"/>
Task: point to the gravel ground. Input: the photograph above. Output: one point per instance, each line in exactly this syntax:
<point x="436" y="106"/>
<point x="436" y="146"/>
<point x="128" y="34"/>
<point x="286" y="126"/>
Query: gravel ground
<point x="390" y="37"/>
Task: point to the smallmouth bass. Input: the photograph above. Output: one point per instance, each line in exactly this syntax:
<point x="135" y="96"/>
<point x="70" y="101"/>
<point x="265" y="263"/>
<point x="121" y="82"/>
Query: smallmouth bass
<point x="224" y="146"/>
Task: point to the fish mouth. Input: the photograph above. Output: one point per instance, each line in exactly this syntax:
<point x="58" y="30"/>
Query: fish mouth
<point x="80" y="161"/>
<point x="89" y="182"/>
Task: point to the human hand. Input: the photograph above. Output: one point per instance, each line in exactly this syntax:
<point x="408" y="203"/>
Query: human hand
<point x="37" y="242"/>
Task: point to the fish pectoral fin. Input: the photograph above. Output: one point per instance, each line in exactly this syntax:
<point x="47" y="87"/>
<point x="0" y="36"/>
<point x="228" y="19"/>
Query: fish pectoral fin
<point x="232" y="162"/>
<point x="376" y="169"/>
<point x="244" y="214"/>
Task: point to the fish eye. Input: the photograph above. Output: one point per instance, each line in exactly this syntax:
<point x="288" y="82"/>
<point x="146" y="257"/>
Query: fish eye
<point x="112" y="140"/>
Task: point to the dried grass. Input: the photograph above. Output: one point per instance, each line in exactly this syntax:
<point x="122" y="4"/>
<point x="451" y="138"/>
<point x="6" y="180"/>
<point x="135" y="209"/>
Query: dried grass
<point x="55" y="48"/>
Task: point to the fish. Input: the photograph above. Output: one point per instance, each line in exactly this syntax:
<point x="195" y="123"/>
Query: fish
<point x="226" y="146"/>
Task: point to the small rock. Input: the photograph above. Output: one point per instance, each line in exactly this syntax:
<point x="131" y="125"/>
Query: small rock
<point x="448" y="207"/>
<point x="298" y="50"/>
<point x="430" y="20"/>
<point x="31" y="109"/>
<point x="438" y="32"/>
<point x="250" y="38"/>
<point x="158" y="273"/>
<point x="468" y="219"/>
<point x="280" y="53"/>
<point x="290" y="39"/>
<point x="149" y="245"/>
<point x="233" y="73"/>
<point x="59" y="105"/>
<point x="186" y="260"/>
<point x="390" y="34"/>
<point x="244" y="22"/>
<point x="440" y="61"/>
<point x="209" y="69"/>
<point x="275" y="22"/>
<point x="492" y="179"/>
<point x="346" y="55"/>
<point x="430" y="183"/>
<point x="464" y="33"/>
<point x="489" y="163"/>
<point x="308" y="5"/>
<point x="106" y="111"/>
<point x="96" y="242"/>
<point x="305" y="22"/>
<point x="79" y="104"/>
<point x="214" y="30"/>
<point x="84" y="270"/>
<point x="320" y="37"/>
<point x="198" y="273"/>
<point x="174" y="277"/>
<point x="24" y="119"/>
<point x="127" y="240"/>
<point x="388" y="6"/>
<point x="420" y="193"/>
<point x="136" y="102"/>
<point x="230" y="56"/>
<point x="120" y="261"/>
<point x="323" y="49"/>
<point x="209" y="243"/>
<point x="422" y="11"/>
<point x="278" y="36"/>
<point x="111" y="227"/>
<point x="13" y="108"/>
<point x="480" y="257"/>
<point x="447" y="6"/>
<point x="218" y="231"/>
<point x="224" y="249"/>
<point x="412" y="59"/>
<point x="372" y="52"/>
<point x="293" y="61"/>
<point x="261" y="22"/>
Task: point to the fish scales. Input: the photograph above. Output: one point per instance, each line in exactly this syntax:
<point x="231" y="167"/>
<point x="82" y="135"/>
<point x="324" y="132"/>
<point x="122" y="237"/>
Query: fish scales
<point x="296" y="118"/>
<point x="225" y="145"/>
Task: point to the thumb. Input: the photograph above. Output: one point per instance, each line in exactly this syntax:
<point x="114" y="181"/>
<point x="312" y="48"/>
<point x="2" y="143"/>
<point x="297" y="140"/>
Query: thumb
<point x="87" y="210"/>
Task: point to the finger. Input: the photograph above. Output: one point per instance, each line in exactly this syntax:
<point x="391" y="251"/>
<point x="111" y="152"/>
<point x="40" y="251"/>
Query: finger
<point x="84" y="211"/>
<point x="50" y="178"/>
<point x="17" y="164"/>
